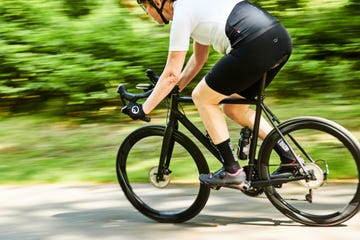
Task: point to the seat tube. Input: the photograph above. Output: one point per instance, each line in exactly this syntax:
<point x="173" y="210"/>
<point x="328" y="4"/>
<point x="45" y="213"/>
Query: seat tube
<point x="259" y="101"/>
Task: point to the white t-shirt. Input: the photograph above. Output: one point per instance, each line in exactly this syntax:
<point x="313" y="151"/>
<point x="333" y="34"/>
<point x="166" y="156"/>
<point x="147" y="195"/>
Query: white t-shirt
<point x="202" y="20"/>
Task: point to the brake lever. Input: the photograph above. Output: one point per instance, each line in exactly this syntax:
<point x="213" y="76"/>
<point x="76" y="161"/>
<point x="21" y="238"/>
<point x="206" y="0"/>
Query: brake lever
<point x="123" y="102"/>
<point x="145" y="119"/>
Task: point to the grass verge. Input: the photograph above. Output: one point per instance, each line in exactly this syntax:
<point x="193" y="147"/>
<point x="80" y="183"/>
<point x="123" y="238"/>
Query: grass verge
<point x="38" y="149"/>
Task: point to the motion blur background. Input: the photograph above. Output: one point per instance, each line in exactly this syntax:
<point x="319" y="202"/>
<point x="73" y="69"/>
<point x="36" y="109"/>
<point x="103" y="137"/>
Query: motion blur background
<point x="61" y="61"/>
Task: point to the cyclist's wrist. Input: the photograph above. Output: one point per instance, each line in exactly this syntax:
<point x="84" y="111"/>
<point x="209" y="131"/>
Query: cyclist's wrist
<point x="145" y="109"/>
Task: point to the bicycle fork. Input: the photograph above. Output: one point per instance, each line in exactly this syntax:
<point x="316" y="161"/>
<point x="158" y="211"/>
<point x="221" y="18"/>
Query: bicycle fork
<point x="167" y="147"/>
<point x="168" y="143"/>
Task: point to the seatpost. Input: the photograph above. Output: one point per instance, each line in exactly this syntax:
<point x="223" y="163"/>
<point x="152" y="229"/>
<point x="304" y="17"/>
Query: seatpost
<point x="259" y="101"/>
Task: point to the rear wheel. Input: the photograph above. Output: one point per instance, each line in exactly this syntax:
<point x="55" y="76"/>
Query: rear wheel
<point x="177" y="197"/>
<point x="332" y="156"/>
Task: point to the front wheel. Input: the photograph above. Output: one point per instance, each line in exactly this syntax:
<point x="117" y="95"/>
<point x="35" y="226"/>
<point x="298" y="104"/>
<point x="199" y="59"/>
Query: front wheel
<point x="178" y="196"/>
<point x="331" y="155"/>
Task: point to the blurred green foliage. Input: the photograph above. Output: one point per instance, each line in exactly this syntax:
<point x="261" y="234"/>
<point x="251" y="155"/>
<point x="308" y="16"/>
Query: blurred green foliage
<point x="66" y="57"/>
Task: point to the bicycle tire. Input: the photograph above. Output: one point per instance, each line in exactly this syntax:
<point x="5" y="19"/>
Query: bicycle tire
<point x="335" y="194"/>
<point x="180" y="196"/>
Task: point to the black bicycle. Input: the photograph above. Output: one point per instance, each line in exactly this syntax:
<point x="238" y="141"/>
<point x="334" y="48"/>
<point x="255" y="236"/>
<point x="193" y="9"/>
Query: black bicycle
<point x="158" y="166"/>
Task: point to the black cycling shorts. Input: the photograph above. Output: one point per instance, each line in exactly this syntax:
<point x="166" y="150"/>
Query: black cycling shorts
<point x="253" y="55"/>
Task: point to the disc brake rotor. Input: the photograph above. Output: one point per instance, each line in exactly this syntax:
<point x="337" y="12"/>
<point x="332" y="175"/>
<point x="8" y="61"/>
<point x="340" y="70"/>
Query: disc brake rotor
<point x="317" y="172"/>
<point x="158" y="183"/>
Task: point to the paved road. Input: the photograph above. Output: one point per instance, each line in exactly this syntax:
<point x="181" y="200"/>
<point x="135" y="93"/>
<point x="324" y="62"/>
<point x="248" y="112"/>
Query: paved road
<point x="86" y="211"/>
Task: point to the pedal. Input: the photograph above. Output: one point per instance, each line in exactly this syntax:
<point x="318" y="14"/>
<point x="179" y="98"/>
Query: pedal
<point x="242" y="187"/>
<point x="217" y="188"/>
<point x="246" y="186"/>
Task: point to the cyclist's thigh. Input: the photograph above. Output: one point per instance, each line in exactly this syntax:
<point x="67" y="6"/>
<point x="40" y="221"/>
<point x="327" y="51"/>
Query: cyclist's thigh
<point x="245" y="65"/>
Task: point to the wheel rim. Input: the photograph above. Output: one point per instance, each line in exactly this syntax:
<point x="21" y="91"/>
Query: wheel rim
<point x="334" y="196"/>
<point x="166" y="201"/>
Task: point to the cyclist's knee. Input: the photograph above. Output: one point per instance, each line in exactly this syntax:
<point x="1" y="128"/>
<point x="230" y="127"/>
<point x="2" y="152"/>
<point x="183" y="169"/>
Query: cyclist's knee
<point x="203" y="94"/>
<point x="199" y="94"/>
<point x="196" y="96"/>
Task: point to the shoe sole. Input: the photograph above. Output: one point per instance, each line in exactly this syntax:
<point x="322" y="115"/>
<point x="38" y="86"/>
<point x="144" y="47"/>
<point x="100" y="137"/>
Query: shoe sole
<point x="242" y="186"/>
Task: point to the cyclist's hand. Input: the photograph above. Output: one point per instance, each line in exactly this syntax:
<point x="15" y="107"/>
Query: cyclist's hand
<point x="135" y="111"/>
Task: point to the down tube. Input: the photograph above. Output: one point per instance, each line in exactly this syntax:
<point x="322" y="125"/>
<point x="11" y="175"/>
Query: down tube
<point x="198" y="135"/>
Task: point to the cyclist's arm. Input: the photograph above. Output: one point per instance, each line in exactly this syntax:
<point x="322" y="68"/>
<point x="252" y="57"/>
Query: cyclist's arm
<point x="194" y="65"/>
<point x="167" y="81"/>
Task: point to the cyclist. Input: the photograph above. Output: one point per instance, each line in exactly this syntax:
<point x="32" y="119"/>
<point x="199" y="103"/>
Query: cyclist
<point x="253" y="42"/>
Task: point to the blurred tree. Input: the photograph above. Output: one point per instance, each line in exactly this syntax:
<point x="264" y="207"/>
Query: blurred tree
<point x="78" y="8"/>
<point x="326" y="39"/>
<point x="69" y="65"/>
<point x="67" y="57"/>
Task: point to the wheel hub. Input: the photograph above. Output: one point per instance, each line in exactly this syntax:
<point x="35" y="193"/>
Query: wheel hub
<point x="317" y="173"/>
<point x="158" y="183"/>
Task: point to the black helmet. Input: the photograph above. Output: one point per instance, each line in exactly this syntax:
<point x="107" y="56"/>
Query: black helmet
<point x="159" y="10"/>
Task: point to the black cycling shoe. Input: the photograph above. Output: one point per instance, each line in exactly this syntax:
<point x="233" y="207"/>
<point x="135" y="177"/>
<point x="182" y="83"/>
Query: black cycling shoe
<point x="286" y="170"/>
<point x="222" y="178"/>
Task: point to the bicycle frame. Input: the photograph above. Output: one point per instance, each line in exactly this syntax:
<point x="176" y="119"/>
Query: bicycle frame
<point x="343" y="147"/>
<point x="177" y="116"/>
